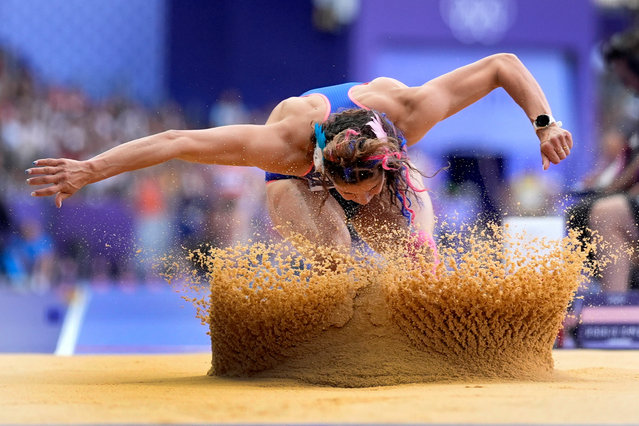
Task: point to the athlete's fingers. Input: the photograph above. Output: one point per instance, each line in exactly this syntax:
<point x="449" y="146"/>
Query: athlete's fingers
<point x="48" y="162"/>
<point x="44" y="192"/>
<point x="43" y="170"/>
<point x="44" y="180"/>
<point x="61" y="196"/>
<point x="563" y="145"/>
<point x="551" y="153"/>
<point x="568" y="139"/>
<point x="561" y="153"/>
<point x="555" y="147"/>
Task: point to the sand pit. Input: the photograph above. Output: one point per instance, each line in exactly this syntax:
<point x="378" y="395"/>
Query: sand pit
<point x="466" y="342"/>
<point x="587" y="387"/>
<point x="490" y="309"/>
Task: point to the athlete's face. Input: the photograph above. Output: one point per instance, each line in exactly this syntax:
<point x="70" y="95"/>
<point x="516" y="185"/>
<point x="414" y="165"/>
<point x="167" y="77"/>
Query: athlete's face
<point x="362" y="192"/>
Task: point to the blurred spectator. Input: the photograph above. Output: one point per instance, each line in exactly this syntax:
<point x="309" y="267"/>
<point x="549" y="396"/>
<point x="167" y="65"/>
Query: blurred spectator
<point x="152" y="232"/>
<point x="28" y="257"/>
<point x="615" y="152"/>
<point x="241" y="195"/>
<point x="478" y="178"/>
<point x="5" y="227"/>
<point x="531" y="194"/>
<point x="229" y="109"/>
<point x="611" y="203"/>
<point x="37" y="121"/>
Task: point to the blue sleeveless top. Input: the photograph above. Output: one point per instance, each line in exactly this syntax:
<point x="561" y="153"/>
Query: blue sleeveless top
<point x="338" y="97"/>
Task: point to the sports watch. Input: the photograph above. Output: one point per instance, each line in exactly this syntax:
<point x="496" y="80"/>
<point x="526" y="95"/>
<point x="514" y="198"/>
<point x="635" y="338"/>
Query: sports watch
<point x="544" y="120"/>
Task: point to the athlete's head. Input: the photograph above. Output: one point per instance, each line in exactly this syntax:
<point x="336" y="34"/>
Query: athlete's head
<point x="361" y="152"/>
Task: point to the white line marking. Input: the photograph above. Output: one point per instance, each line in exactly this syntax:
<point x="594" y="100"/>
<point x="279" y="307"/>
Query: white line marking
<point x="73" y="321"/>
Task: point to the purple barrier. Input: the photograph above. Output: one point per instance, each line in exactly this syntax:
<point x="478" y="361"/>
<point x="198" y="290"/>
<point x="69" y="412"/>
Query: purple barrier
<point x="609" y="321"/>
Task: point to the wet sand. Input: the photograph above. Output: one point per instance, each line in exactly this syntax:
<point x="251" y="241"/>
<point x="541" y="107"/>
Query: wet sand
<point x="587" y="387"/>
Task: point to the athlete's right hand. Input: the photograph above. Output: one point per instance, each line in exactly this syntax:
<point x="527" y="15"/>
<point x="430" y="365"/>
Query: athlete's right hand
<point x="63" y="176"/>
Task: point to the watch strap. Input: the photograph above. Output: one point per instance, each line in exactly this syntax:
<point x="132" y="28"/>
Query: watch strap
<point x="544" y="120"/>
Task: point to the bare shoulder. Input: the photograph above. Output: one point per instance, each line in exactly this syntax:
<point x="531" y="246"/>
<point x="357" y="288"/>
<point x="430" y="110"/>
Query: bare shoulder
<point x="380" y="94"/>
<point x="393" y="98"/>
<point x="386" y="83"/>
<point x="293" y="120"/>
<point x="298" y="109"/>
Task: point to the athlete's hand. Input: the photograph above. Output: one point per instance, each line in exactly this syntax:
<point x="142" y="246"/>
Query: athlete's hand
<point x="63" y="176"/>
<point x="556" y="144"/>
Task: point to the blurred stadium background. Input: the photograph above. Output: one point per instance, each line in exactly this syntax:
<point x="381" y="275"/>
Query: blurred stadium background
<point x="78" y="77"/>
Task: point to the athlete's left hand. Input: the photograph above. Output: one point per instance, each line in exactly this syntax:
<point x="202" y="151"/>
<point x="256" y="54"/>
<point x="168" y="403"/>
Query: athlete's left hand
<point x="555" y="145"/>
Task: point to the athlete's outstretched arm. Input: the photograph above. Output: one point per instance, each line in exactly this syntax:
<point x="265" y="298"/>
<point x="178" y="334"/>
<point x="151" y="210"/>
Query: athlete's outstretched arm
<point x="446" y="95"/>
<point x="262" y="146"/>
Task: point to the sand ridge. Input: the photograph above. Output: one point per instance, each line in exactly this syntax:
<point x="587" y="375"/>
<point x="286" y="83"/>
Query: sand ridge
<point x="491" y="308"/>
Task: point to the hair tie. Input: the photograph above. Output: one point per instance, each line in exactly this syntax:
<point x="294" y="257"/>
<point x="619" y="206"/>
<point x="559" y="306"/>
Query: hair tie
<point x="376" y="126"/>
<point x="349" y="133"/>
<point x="384" y="158"/>
<point x="402" y="142"/>
<point x="320" y="144"/>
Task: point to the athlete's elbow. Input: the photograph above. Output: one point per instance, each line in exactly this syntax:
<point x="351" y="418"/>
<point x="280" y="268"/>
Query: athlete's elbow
<point x="172" y="136"/>
<point x="506" y="59"/>
<point x="178" y="143"/>
<point x="505" y="65"/>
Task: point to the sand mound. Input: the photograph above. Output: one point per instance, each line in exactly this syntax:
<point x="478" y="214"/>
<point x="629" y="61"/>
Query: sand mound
<point x="491" y="308"/>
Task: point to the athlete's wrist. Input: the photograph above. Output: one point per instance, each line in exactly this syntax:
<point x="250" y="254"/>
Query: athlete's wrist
<point x="542" y="131"/>
<point x="94" y="169"/>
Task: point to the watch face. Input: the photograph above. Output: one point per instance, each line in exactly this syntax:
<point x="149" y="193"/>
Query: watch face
<point x="542" y="120"/>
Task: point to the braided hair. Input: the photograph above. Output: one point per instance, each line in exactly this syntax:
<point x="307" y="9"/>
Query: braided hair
<point x="356" y="144"/>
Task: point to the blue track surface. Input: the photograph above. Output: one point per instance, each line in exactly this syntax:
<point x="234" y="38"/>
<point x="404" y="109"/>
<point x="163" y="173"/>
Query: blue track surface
<point x="30" y="323"/>
<point x="142" y="319"/>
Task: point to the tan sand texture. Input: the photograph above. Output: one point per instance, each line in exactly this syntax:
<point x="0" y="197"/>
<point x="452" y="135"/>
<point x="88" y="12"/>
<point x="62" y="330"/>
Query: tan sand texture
<point x="468" y="341"/>
<point x="491" y="308"/>
<point x="588" y="387"/>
